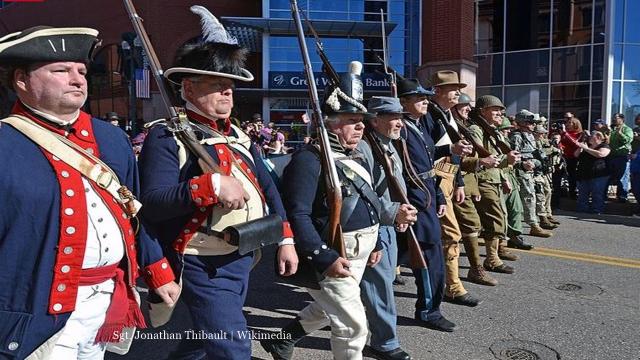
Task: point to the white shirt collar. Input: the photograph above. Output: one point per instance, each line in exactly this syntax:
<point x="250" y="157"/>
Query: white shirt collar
<point x="52" y="118"/>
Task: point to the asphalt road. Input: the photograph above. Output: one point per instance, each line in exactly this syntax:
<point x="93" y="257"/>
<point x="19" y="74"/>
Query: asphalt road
<point x="576" y="296"/>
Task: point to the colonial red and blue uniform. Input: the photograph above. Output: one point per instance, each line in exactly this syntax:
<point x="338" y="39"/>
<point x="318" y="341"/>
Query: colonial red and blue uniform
<point x="44" y="227"/>
<point x="181" y="204"/>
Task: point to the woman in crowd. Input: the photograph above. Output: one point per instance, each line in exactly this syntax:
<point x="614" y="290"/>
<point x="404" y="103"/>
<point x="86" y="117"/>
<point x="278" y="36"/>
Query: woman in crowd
<point x="592" y="174"/>
<point x="569" y="140"/>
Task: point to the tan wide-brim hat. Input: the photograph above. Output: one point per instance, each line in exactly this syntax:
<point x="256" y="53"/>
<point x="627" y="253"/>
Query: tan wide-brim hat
<point x="446" y="77"/>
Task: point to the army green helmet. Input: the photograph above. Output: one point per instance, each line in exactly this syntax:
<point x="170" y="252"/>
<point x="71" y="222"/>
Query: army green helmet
<point x="486" y="101"/>
<point x="464" y="99"/>
<point x="506" y="124"/>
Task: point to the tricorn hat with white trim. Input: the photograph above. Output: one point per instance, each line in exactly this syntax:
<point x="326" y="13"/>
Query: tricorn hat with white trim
<point x="48" y="44"/>
<point x="216" y="54"/>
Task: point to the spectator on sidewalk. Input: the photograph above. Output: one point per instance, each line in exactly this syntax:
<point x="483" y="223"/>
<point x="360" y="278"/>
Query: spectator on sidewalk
<point x="569" y="140"/>
<point x="592" y="173"/>
<point x="620" y="143"/>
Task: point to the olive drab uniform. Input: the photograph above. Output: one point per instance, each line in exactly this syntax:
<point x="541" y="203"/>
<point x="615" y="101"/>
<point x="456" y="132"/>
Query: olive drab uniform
<point x="489" y="207"/>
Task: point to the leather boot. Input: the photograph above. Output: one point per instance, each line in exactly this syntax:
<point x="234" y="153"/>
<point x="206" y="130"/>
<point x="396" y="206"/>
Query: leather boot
<point x="504" y="253"/>
<point x="517" y="242"/>
<point x="478" y="275"/>
<point x="546" y="224"/>
<point x="282" y="349"/>
<point x="538" y="231"/>
<point x="552" y="220"/>
<point x="472" y="250"/>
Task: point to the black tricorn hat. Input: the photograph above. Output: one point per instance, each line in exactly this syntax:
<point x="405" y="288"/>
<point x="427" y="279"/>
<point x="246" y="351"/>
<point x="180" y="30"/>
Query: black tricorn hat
<point x="348" y="95"/>
<point x="48" y="44"/>
<point x="408" y="87"/>
<point x="217" y="54"/>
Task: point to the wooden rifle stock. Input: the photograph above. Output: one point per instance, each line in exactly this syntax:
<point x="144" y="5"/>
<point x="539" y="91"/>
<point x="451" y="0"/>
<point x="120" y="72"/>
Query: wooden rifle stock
<point x="416" y="257"/>
<point x="327" y="162"/>
<point x="466" y="133"/>
<point x="177" y="122"/>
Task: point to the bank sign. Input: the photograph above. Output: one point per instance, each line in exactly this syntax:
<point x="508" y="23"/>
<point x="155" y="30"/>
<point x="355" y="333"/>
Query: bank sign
<point x="297" y="80"/>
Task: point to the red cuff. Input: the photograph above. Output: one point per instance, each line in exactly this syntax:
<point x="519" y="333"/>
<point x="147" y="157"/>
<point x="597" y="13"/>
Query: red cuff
<point x="158" y="274"/>
<point x="202" y="191"/>
<point x="286" y="230"/>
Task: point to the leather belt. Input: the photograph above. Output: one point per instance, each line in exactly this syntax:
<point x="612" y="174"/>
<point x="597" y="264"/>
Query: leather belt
<point x="446" y="167"/>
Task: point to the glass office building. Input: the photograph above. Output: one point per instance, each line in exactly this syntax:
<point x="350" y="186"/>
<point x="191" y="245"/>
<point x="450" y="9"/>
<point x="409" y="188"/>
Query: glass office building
<point x="349" y="30"/>
<point x="554" y="56"/>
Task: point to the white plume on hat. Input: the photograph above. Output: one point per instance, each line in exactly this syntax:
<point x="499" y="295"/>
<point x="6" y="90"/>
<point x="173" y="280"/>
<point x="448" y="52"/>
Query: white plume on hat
<point x="212" y="29"/>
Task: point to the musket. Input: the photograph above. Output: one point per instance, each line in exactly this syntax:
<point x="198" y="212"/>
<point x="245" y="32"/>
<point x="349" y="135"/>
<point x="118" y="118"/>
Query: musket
<point x="463" y="133"/>
<point x="178" y="122"/>
<point x="385" y="57"/>
<point x="397" y="193"/>
<point x="468" y="135"/>
<point x="326" y="65"/>
<point x="327" y="162"/>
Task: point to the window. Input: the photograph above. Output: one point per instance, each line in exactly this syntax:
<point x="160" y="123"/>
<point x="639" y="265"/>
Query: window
<point x="599" y="18"/>
<point x="617" y="62"/>
<point x="528" y="24"/>
<point x="598" y="62"/>
<point x="534" y="98"/>
<point x="615" y="97"/>
<point x="489" y="26"/>
<point x="631" y="102"/>
<point x="631" y="33"/>
<point x="571" y="97"/>
<point x="571" y="64"/>
<point x="618" y="23"/>
<point x="572" y="22"/>
<point x="489" y="90"/>
<point x="632" y="62"/>
<point x="527" y="67"/>
<point x="596" y="100"/>
<point x="489" y="69"/>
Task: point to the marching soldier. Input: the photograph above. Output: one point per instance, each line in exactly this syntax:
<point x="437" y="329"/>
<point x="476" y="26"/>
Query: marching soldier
<point x="67" y="229"/>
<point x="447" y="87"/>
<point x="336" y="291"/>
<point x="491" y="181"/>
<point x="425" y="195"/>
<point x="188" y="210"/>
<point x="377" y="281"/>
<point x="466" y="212"/>
<point x="512" y="204"/>
<point x="522" y="140"/>
<point x="543" y="178"/>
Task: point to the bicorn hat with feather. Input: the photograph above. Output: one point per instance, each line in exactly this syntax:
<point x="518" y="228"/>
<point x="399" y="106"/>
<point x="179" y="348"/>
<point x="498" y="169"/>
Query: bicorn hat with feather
<point x="216" y="54"/>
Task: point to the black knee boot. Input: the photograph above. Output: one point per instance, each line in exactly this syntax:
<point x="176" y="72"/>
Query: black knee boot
<point x="282" y="349"/>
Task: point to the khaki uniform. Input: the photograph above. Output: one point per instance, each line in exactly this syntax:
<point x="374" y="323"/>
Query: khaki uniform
<point x="489" y="207"/>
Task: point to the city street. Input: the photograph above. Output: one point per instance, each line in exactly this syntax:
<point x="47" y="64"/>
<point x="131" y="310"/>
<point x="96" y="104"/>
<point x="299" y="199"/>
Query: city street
<point x="575" y="296"/>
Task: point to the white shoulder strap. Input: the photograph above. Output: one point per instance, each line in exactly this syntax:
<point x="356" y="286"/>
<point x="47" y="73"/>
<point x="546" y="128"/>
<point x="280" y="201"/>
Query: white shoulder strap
<point x="93" y="169"/>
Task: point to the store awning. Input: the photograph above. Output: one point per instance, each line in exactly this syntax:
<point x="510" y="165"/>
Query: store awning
<point x="323" y="27"/>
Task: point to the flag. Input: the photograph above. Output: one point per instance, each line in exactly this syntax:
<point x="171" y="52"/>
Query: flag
<point x="142" y="84"/>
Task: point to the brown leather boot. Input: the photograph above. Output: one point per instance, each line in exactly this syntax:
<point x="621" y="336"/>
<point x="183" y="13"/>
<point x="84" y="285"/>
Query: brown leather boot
<point x="505" y="254"/>
<point x="537" y="231"/>
<point x="546" y="224"/>
<point x="553" y="220"/>
<point x="478" y="275"/>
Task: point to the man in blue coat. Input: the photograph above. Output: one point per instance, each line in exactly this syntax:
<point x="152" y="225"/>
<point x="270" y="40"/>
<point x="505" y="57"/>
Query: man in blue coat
<point x="69" y="256"/>
<point x="426" y="196"/>
<point x="189" y="210"/>
<point x="336" y="293"/>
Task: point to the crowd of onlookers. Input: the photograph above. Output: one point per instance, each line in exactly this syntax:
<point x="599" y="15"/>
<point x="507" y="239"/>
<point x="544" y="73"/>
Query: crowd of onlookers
<point x="606" y="155"/>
